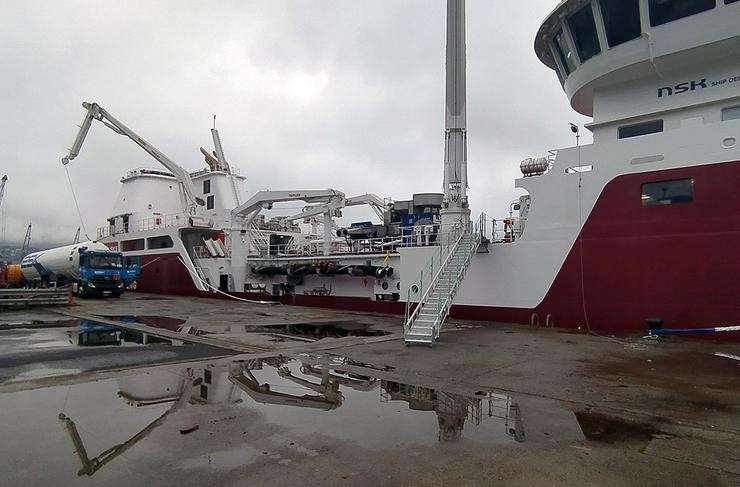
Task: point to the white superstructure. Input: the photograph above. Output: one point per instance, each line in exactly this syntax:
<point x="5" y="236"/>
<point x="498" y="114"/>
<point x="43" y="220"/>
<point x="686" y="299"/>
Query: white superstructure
<point x="640" y="223"/>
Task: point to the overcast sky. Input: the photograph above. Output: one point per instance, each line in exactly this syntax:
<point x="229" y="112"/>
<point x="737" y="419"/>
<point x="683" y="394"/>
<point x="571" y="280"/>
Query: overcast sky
<point x="310" y="94"/>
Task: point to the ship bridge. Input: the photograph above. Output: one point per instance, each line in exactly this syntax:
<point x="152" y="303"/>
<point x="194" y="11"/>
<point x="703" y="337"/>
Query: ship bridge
<point x="623" y="61"/>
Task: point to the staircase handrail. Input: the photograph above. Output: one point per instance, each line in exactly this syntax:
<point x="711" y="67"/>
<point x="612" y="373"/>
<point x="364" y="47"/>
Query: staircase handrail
<point x="432" y="283"/>
<point x="451" y="295"/>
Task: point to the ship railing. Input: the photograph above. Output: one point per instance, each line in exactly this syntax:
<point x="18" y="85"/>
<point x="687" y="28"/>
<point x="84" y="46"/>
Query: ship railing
<point x="163" y="221"/>
<point x="202" y="252"/>
<point x="235" y="171"/>
<point x="158" y="221"/>
<point x="505" y="230"/>
<point x="417" y="236"/>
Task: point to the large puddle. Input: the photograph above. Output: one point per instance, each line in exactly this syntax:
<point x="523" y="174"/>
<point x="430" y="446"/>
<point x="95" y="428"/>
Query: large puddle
<point x="74" y="333"/>
<point x="227" y="415"/>
<point x="307" y="332"/>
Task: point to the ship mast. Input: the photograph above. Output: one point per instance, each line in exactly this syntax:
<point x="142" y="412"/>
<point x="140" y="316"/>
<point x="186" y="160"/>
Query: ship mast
<point x="456" y="144"/>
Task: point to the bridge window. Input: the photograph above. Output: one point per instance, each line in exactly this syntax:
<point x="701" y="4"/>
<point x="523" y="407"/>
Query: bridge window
<point x="206" y="186"/>
<point x="621" y="20"/>
<point x="731" y="113"/>
<point x="583" y="27"/>
<point x="564" y="53"/>
<point x="664" y="11"/>
<point x="645" y="128"/>
<point x="210" y="202"/>
<point x="668" y="192"/>
<point x="132" y="245"/>
<point x="163" y="242"/>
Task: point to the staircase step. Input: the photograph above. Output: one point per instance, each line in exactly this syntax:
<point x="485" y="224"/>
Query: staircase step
<point x="421" y="329"/>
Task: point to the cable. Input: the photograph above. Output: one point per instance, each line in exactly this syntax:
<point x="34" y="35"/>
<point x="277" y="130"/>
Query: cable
<point x="77" y="205"/>
<point x="580" y="238"/>
<point x="207" y="284"/>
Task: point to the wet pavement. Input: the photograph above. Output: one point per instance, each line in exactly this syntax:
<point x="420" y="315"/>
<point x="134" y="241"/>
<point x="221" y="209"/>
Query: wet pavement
<point x="43" y="349"/>
<point x="253" y="411"/>
<point x="335" y="398"/>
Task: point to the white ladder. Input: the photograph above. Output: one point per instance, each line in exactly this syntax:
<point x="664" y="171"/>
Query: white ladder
<point x="424" y="324"/>
<point x="259" y="242"/>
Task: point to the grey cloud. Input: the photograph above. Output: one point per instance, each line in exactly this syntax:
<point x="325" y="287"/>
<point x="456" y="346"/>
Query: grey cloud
<point x="309" y="94"/>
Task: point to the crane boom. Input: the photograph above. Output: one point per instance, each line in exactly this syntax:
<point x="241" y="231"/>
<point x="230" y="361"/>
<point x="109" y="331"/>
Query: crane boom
<point x="96" y="112"/>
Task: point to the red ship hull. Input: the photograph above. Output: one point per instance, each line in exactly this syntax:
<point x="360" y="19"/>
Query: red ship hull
<point x="678" y="262"/>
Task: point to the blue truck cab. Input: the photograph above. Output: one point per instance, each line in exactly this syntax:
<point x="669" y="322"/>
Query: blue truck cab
<point x="102" y="272"/>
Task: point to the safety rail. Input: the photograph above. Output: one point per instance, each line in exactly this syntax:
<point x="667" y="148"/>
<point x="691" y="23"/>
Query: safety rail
<point x="202" y="252"/>
<point x="445" y="252"/>
<point x="505" y="230"/>
<point x="313" y="245"/>
<point x="424" y="323"/>
<point x="159" y="221"/>
<point x="234" y="171"/>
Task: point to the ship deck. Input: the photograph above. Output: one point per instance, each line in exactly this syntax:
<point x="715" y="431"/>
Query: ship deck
<point x="490" y="403"/>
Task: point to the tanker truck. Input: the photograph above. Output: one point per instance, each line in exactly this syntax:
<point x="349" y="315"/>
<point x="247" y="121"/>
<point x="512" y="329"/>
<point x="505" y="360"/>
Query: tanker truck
<point x="90" y="267"/>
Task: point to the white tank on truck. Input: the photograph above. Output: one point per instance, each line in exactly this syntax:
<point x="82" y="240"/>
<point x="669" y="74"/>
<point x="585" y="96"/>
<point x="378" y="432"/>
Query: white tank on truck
<point x="63" y="262"/>
<point x="90" y="267"/>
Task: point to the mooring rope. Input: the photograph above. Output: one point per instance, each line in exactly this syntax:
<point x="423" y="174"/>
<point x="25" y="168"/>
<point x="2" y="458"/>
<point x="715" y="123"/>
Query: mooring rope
<point x="208" y="285"/>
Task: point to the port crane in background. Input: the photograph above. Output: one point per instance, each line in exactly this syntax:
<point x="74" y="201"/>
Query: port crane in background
<point x="26" y="242"/>
<point x="190" y="202"/>
<point x="3" y="181"/>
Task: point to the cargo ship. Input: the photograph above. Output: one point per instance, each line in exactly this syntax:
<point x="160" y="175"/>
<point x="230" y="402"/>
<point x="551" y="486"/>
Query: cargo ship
<point x="641" y="224"/>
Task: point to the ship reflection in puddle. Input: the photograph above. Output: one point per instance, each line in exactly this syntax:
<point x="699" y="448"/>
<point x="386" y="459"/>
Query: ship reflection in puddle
<point x="302" y="332"/>
<point x="93" y="333"/>
<point x="306" y="398"/>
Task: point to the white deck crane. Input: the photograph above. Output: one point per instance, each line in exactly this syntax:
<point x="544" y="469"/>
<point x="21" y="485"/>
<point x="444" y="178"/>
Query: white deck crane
<point x="190" y="202"/>
<point x="373" y="201"/>
<point x="332" y="203"/>
<point x="242" y="219"/>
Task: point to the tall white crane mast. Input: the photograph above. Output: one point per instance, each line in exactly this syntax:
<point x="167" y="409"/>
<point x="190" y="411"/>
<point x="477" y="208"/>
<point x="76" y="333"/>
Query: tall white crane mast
<point x="190" y="202"/>
<point x="456" y="144"/>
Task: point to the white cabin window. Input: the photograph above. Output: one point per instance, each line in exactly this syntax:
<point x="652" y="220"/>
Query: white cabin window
<point x="668" y="192"/>
<point x="206" y="186"/>
<point x="621" y="20"/>
<point x="163" y="242"/>
<point x="664" y="11"/>
<point x="583" y="27"/>
<point x="638" y="129"/>
<point x="731" y="113"/>
<point x="132" y="245"/>
<point x="210" y="203"/>
<point x="563" y="49"/>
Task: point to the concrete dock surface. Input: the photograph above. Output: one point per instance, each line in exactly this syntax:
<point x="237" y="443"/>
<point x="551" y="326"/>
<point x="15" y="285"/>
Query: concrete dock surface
<point x="189" y="391"/>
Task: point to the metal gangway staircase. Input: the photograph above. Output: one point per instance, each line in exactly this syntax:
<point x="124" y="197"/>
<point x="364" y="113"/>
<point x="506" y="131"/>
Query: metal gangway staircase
<point x="444" y="273"/>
